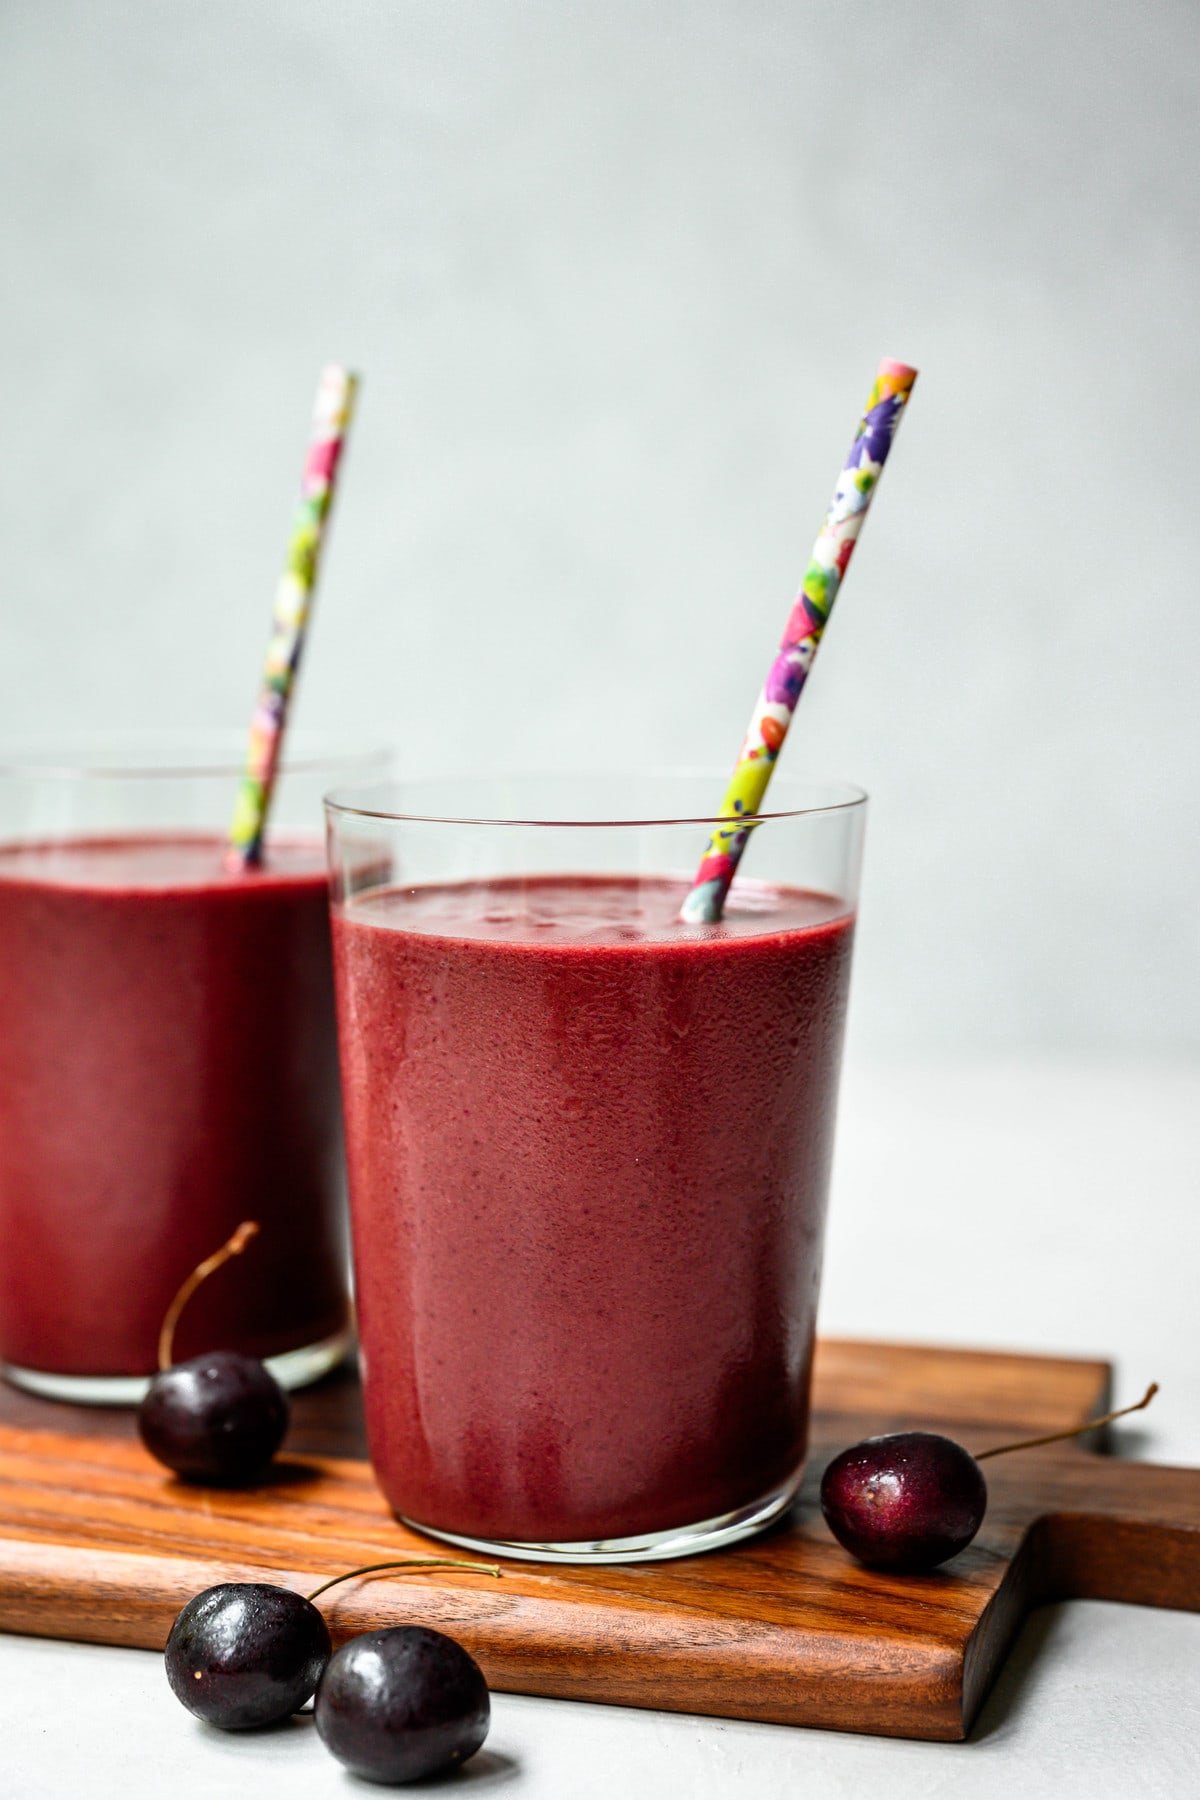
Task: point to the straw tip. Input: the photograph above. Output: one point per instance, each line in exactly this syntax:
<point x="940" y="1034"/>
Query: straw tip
<point x="338" y="375"/>
<point x="900" y="371"/>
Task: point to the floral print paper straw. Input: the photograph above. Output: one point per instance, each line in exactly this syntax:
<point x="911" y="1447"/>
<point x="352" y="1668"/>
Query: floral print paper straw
<point x="778" y="701"/>
<point x="332" y="412"/>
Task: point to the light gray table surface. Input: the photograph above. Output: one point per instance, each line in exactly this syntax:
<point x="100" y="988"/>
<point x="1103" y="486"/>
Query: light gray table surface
<point x="1049" y="1208"/>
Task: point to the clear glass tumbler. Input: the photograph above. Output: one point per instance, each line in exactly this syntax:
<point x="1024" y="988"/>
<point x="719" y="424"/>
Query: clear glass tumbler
<point x="168" y="1065"/>
<point x="588" y="1150"/>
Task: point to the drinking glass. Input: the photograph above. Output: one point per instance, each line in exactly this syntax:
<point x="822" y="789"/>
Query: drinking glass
<point x="168" y="1064"/>
<point x="588" y="1151"/>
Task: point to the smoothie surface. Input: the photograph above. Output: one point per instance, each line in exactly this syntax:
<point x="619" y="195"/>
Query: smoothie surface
<point x="149" y="864"/>
<point x="554" y="911"/>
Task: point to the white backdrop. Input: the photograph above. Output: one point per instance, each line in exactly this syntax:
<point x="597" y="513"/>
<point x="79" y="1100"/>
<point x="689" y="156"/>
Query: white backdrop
<point x="618" y="276"/>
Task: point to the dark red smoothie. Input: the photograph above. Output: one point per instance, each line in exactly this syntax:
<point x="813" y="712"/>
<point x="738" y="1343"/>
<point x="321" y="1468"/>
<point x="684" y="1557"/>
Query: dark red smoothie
<point x="588" y="1151"/>
<point x="167" y="1069"/>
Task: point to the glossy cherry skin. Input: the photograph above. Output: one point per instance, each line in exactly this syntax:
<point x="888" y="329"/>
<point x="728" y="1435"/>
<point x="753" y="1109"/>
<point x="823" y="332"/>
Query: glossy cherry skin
<point x="245" y="1654"/>
<point x="401" y="1704"/>
<point x="217" y="1419"/>
<point x="905" y="1502"/>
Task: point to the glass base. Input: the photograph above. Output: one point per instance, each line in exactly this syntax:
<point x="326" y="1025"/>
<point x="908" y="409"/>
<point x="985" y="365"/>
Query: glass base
<point x="292" y="1369"/>
<point x="651" y="1546"/>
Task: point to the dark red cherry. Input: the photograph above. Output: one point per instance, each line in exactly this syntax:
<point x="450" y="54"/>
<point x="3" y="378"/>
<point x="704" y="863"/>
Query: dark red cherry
<point x="246" y="1654"/>
<point x="397" y="1705"/>
<point x="218" y="1418"/>
<point x="913" y="1499"/>
<point x="906" y="1502"/>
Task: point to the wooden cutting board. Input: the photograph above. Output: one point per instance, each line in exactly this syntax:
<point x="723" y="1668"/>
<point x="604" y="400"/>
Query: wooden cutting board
<point x="97" y="1543"/>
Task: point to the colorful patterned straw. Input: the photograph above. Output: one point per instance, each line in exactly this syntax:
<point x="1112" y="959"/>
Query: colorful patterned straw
<point x="778" y="701"/>
<point x="332" y="412"/>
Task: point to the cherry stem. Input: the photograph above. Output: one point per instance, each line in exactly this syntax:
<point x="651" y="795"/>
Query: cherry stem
<point x="409" y="1562"/>
<point x="233" y="1246"/>
<point x="1056" y="1437"/>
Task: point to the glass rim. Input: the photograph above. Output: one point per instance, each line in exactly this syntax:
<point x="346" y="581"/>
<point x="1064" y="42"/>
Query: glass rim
<point x="209" y="753"/>
<point x="357" y="803"/>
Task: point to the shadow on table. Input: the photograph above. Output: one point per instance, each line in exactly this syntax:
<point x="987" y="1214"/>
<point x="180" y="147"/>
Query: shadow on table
<point x="1017" y="1684"/>
<point x="297" y="1735"/>
<point x="487" y="1769"/>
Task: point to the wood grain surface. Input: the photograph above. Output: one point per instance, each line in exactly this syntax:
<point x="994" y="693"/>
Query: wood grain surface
<point x="96" y="1543"/>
